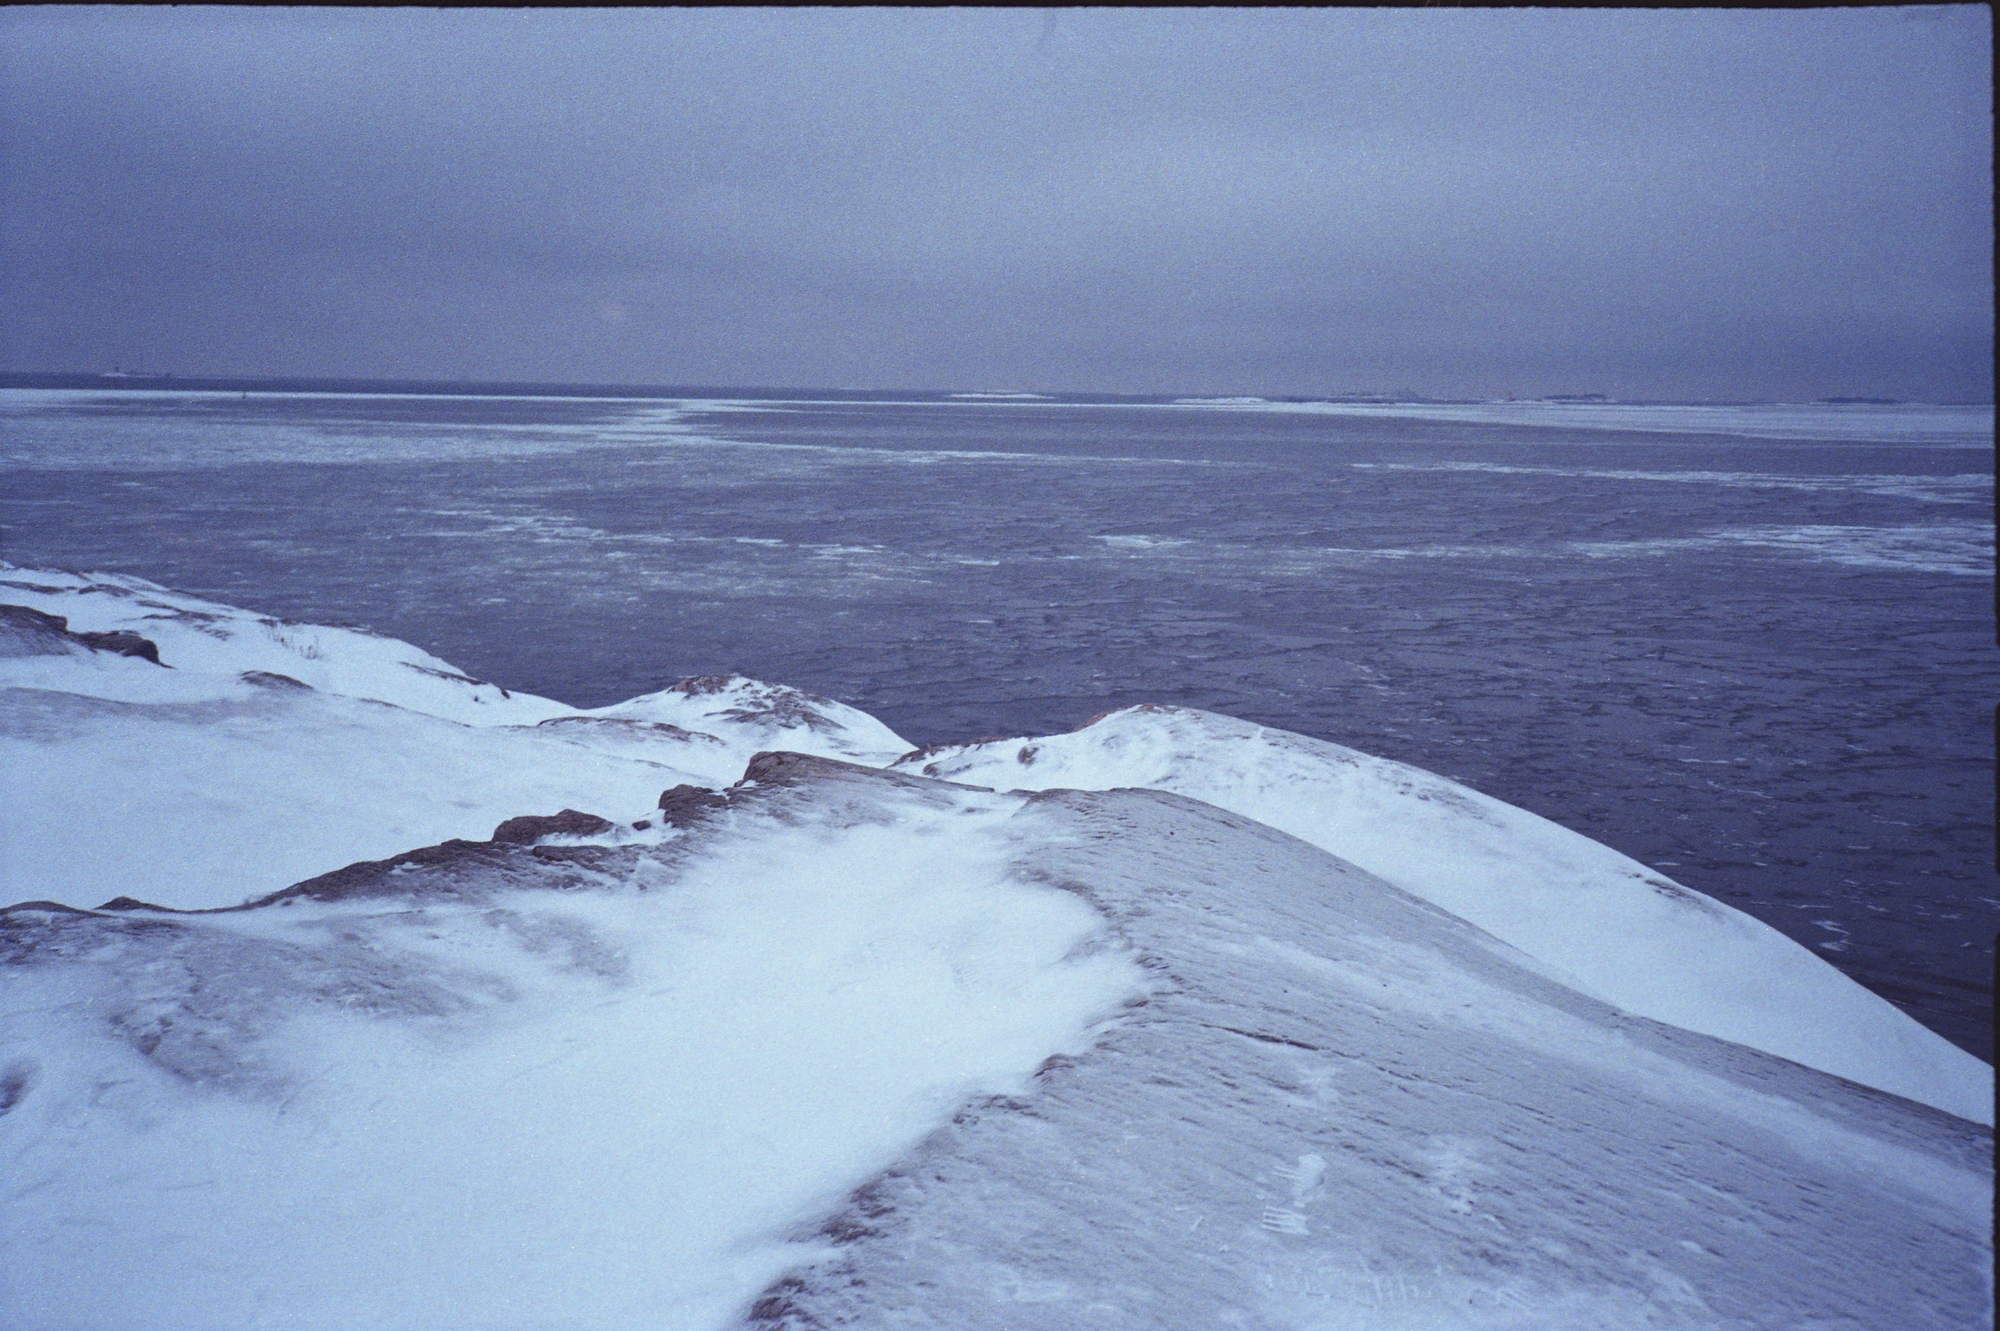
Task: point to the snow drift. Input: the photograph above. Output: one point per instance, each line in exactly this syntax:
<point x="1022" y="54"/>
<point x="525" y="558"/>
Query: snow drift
<point x="1607" y="925"/>
<point x="790" y="1036"/>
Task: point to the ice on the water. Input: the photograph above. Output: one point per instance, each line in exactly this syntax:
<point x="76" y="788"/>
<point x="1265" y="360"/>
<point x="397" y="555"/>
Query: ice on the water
<point x="1942" y="425"/>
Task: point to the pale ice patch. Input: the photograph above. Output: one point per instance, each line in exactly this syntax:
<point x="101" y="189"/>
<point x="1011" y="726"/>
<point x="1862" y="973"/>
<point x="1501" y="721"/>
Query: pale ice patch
<point x="196" y="805"/>
<point x="1963" y="549"/>
<point x="1136" y="542"/>
<point x="1957" y="548"/>
<point x="1911" y="423"/>
<point x="1958" y="488"/>
<point x="41" y="432"/>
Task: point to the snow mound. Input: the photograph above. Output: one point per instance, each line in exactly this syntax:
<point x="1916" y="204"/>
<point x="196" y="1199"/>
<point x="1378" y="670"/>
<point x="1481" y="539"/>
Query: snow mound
<point x="210" y="646"/>
<point x="576" y="1085"/>
<point x="752" y="716"/>
<point x="854" y="1047"/>
<point x="1606" y="924"/>
<point x="253" y="753"/>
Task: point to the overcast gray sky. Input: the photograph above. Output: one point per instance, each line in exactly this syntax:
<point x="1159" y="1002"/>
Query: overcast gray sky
<point x="1680" y="204"/>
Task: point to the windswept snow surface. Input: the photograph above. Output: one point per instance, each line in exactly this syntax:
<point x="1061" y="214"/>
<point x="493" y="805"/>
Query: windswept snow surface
<point x="1609" y="926"/>
<point x="583" y="1086"/>
<point x="1298" y="1038"/>
<point x="259" y="752"/>
<point x="838" y="1054"/>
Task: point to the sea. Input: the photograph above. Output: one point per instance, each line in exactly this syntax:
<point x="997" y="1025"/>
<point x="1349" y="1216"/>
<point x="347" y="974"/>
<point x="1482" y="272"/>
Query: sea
<point x="1751" y="645"/>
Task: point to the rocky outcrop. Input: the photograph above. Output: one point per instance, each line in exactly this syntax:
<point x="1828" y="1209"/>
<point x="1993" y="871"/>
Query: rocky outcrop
<point x="685" y="805"/>
<point x="271" y="679"/>
<point x="26" y="632"/>
<point x="122" y="641"/>
<point x="531" y="828"/>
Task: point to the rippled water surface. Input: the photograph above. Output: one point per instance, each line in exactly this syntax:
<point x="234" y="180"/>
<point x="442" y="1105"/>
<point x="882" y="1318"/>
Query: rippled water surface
<point x="1752" y="646"/>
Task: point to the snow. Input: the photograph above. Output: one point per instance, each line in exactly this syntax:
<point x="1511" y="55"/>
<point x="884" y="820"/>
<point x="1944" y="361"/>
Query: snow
<point x="112" y="766"/>
<point x="1344" y="1108"/>
<point x="598" y="1107"/>
<point x="1607" y="925"/>
<point x="1179" y="1021"/>
<point x="870" y="1050"/>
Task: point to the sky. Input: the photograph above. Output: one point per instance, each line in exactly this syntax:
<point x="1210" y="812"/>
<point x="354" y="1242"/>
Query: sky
<point x="1680" y="204"/>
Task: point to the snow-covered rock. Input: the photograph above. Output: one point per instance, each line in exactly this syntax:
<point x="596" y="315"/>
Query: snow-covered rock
<point x="208" y="647"/>
<point x="1191" y="1023"/>
<point x="1606" y="924"/>
<point x="255" y="753"/>
<point x="865" y="1049"/>
<point x="751" y="717"/>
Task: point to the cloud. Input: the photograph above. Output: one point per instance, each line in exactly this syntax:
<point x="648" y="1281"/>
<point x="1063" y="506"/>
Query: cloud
<point x="1135" y="200"/>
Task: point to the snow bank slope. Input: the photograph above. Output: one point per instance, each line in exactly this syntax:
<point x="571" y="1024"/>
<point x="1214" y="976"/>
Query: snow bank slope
<point x="210" y="646"/>
<point x="754" y="717"/>
<point x="578" y="1085"/>
<point x="1611" y="926"/>
<point x="832" y="1056"/>
<point x="1344" y="1108"/>
<point x="255" y="753"/>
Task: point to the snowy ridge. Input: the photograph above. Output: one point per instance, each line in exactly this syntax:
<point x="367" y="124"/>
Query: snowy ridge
<point x="1608" y="925"/>
<point x="1294" y="1038"/>
<point x="1341" y="1107"/>
<point x="257" y="753"/>
<point x="836" y="1054"/>
<point x="584" y="1085"/>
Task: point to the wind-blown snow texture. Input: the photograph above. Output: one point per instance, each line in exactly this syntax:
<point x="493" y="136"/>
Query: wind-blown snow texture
<point x="260" y="752"/>
<point x="844" y="1044"/>
<point x="1612" y="927"/>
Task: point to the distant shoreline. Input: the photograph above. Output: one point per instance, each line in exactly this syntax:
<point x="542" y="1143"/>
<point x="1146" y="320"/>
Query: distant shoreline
<point x="150" y="381"/>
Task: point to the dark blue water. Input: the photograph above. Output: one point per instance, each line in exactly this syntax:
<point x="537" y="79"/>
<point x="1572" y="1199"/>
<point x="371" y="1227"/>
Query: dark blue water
<point x="1754" y="649"/>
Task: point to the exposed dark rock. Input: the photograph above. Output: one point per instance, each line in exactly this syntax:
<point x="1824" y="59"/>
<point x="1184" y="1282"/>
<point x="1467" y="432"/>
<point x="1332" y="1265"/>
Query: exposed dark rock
<point x="781" y="768"/>
<point x="627" y="726"/>
<point x="270" y="679"/>
<point x="15" y="1079"/>
<point x="582" y="856"/>
<point x="696" y="685"/>
<point x="133" y="903"/>
<point x="370" y="878"/>
<point x="1150" y="708"/>
<point x="763" y="704"/>
<point x="774" y="769"/>
<point x="124" y="642"/>
<point x="641" y="825"/>
<point x="532" y="827"/>
<point x="25" y="632"/>
<point x="452" y="675"/>
<point x="918" y="755"/>
<point x="684" y="805"/>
